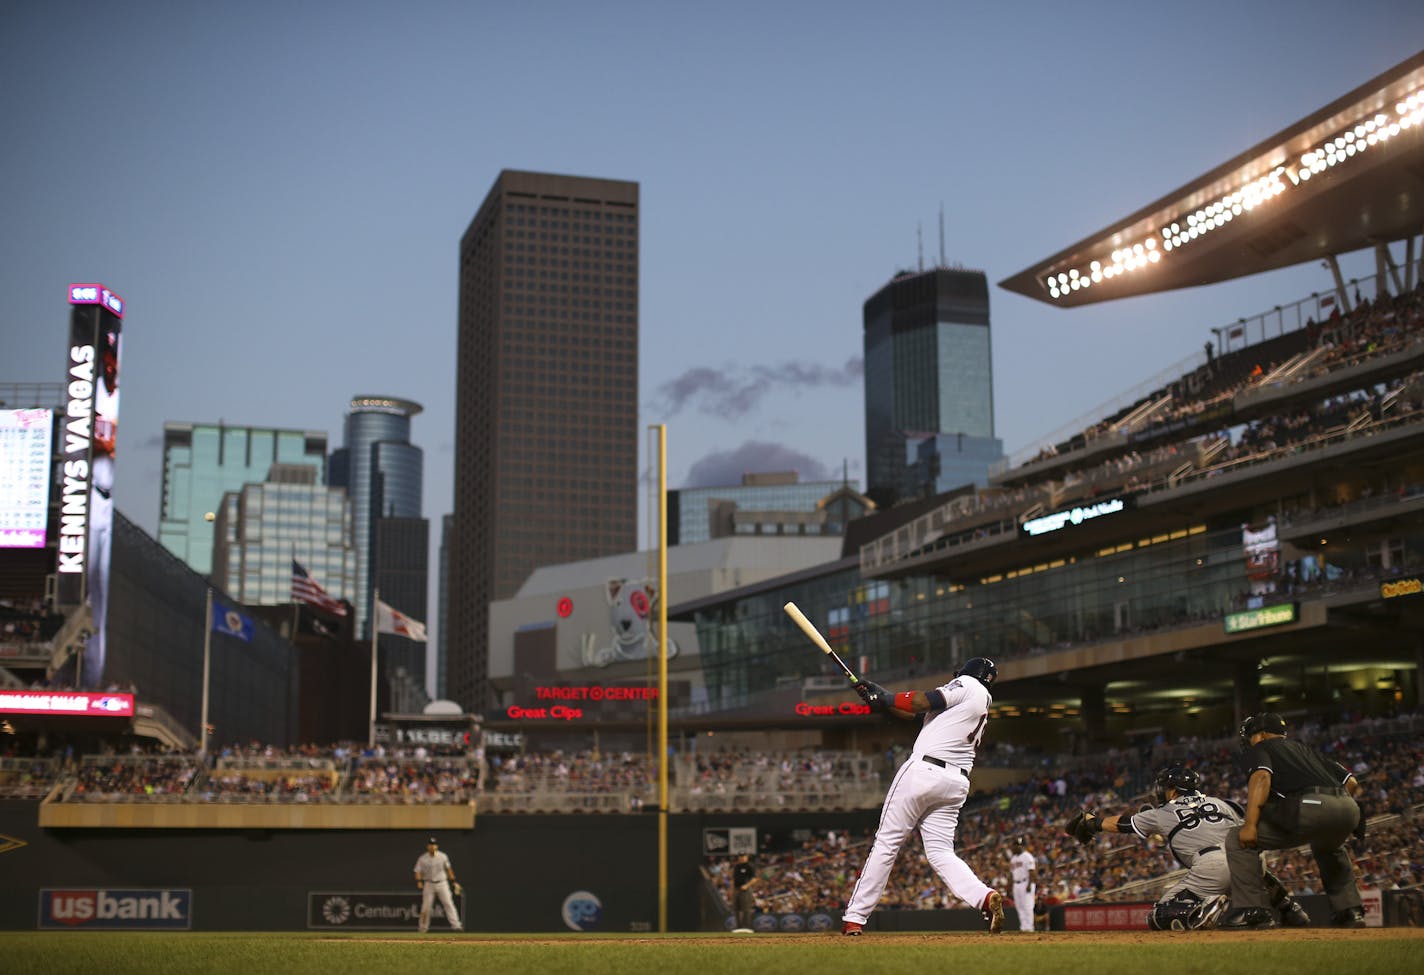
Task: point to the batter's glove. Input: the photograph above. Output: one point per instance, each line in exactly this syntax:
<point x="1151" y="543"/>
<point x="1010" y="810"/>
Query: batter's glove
<point x="1084" y="827"/>
<point x="456" y="889"/>
<point x="874" y="695"/>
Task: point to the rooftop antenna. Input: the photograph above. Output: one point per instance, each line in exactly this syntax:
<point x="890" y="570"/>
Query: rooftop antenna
<point x="920" y="244"/>
<point x="941" y="233"/>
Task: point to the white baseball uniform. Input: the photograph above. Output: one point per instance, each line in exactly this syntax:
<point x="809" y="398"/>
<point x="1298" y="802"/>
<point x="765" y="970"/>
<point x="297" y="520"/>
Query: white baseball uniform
<point x="432" y="869"/>
<point x="1022" y="865"/>
<point x="926" y="794"/>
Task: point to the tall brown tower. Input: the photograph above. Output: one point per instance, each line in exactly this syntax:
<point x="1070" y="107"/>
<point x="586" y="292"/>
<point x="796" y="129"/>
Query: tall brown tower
<point x="546" y="431"/>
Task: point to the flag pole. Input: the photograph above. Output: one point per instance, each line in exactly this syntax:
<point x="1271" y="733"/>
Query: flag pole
<point x="375" y="628"/>
<point x="207" y="661"/>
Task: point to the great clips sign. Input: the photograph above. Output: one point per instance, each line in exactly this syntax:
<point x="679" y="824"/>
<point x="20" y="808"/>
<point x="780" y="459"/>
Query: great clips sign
<point x="115" y="908"/>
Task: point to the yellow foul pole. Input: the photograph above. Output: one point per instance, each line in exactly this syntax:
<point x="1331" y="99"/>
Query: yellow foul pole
<point x="662" y="681"/>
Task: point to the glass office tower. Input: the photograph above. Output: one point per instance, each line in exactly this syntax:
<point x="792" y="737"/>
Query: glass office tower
<point x="383" y="472"/>
<point x="262" y="527"/>
<point x="202" y="462"/>
<point x="929" y="386"/>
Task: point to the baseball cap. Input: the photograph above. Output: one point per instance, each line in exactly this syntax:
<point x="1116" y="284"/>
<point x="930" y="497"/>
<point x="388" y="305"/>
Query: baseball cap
<point x="1268" y="722"/>
<point x="432" y="840"/>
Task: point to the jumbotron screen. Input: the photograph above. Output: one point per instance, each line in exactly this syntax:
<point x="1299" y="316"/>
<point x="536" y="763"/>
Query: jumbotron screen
<point x="24" y="477"/>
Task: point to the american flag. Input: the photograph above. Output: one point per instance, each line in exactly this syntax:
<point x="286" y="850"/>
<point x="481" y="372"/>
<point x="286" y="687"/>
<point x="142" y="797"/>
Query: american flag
<point x="307" y="590"/>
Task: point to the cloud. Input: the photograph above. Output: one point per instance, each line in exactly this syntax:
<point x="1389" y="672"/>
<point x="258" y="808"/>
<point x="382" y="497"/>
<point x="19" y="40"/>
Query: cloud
<point x="732" y="393"/>
<point x="726" y="467"/>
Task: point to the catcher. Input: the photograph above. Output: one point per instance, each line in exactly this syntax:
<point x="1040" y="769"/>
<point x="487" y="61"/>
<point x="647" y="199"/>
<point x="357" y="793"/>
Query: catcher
<point x="1195" y="827"/>
<point x="434" y="877"/>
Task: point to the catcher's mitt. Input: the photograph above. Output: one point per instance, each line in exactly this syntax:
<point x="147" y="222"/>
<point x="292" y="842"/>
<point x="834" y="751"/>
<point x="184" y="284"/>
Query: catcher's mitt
<point x="1084" y="827"/>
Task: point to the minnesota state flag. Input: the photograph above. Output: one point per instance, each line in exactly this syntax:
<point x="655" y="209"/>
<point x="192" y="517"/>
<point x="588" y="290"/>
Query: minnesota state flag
<point x="230" y="622"/>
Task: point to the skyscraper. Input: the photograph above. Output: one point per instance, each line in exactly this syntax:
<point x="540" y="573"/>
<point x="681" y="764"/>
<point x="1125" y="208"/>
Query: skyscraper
<point x="383" y="473"/>
<point x="546" y="426"/>
<point x="261" y="528"/>
<point x="929" y="386"/>
<point x="204" y="461"/>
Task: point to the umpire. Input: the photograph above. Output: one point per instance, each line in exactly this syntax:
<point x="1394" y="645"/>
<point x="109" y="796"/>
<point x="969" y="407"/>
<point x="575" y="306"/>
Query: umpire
<point x="1295" y="796"/>
<point x="744" y="878"/>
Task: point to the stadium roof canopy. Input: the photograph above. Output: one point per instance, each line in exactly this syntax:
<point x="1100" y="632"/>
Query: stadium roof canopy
<point x="1347" y="177"/>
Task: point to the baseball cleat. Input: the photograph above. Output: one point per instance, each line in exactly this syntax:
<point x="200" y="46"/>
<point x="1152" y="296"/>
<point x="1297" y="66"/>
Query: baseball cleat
<point x="851" y="927"/>
<point x="1248" y="919"/>
<point x="1350" y="917"/>
<point x="993" y="909"/>
<point x="1293" y="915"/>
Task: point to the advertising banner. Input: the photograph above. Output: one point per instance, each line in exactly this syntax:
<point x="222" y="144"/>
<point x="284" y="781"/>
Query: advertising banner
<point x="24" y="477"/>
<point x="729" y="840"/>
<point x="88" y="438"/>
<point x="1105" y="917"/>
<point x="113" y="908"/>
<point x="78" y="703"/>
<point x="373" y="910"/>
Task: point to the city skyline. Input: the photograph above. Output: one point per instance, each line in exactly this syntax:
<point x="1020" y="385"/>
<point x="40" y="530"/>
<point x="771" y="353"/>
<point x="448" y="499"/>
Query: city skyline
<point x="280" y="197"/>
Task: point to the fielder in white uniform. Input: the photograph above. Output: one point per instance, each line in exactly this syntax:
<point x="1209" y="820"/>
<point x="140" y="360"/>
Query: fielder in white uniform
<point x="1022" y="865"/>
<point x="929" y="789"/>
<point x="1195" y="827"/>
<point x="434" y="876"/>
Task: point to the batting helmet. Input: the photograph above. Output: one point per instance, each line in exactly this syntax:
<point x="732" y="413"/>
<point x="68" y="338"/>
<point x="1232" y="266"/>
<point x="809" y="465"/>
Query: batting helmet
<point x="1268" y="722"/>
<point x="1177" y="777"/>
<point x="981" y="669"/>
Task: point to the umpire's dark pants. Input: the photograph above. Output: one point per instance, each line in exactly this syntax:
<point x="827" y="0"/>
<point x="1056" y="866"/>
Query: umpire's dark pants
<point x="1326" y="820"/>
<point x="746" y="908"/>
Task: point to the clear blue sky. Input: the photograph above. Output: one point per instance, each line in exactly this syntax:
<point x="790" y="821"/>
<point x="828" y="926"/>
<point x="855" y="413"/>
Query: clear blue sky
<point x="278" y="190"/>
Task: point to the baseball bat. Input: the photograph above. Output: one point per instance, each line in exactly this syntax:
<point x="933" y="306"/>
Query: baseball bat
<point x="809" y="628"/>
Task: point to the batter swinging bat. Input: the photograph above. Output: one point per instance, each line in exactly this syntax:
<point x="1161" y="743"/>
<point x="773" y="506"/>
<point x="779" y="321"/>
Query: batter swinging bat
<point x="809" y="628"/>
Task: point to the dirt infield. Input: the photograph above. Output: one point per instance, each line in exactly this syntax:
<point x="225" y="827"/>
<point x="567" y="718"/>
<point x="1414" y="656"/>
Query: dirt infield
<point x="1156" y="938"/>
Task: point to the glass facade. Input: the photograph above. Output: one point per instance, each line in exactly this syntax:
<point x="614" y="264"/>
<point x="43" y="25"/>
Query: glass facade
<point x="965" y="380"/>
<point x="262" y="527"/>
<point x="693" y="516"/>
<point x="928" y="372"/>
<point x="921" y="623"/>
<point x="948" y="461"/>
<point x="383" y="474"/>
<point x="202" y="463"/>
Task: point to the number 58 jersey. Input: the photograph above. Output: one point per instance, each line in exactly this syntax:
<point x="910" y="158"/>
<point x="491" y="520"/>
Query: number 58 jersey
<point x="1192" y="824"/>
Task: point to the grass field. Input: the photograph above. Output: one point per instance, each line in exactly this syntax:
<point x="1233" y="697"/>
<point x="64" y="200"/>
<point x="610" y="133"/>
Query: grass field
<point x="1375" y="952"/>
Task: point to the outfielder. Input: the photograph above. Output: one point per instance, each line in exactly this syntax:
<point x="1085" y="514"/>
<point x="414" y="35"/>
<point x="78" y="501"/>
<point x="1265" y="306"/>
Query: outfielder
<point x="1196" y="827"/>
<point x="929" y="789"/>
<point x="435" y="878"/>
<point x="1021" y="865"/>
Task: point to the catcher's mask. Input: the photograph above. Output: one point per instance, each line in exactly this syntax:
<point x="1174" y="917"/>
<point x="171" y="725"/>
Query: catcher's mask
<point x="1178" y="777"/>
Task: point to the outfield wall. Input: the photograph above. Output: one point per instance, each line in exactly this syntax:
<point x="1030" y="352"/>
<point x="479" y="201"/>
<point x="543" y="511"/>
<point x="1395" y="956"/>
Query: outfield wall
<point x="520" y="873"/>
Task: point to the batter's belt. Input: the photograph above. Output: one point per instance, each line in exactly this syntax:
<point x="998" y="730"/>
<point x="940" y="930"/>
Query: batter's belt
<point x="943" y="764"/>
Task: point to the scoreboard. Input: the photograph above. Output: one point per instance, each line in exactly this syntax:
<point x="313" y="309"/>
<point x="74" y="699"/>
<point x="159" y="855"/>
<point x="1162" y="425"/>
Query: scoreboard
<point x="25" y="439"/>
